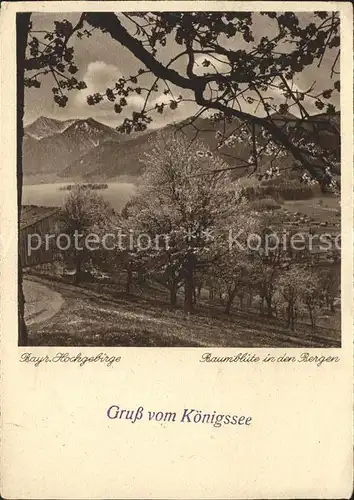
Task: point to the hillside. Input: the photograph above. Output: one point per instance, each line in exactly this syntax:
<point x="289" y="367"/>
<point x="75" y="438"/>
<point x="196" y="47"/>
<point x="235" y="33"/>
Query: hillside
<point x="108" y="317"/>
<point x="89" y="150"/>
<point x="54" y="152"/>
<point x="108" y="160"/>
<point x="112" y="159"/>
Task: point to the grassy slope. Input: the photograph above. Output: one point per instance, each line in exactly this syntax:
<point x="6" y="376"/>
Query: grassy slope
<point x="105" y="318"/>
<point x="320" y="208"/>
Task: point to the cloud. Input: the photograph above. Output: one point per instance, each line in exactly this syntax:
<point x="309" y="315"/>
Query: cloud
<point x="300" y="86"/>
<point x="135" y="101"/>
<point x="98" y="77"/>
<point x="184" y="110"/>
<point x="100" y="74"/>
<point x="218" y="64"/>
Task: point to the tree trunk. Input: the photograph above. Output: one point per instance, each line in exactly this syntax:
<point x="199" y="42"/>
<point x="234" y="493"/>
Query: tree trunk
<point x="188" y="285"/>
<point x="312" y="319"/>
<point x="194" y="295"/>
<point x="269" y="306"/>
<point x="78" y="273"/>
<point x="261" y="305"/>
<point x="230" y="299"/>
<point x="188" y="297"/>
<point x="288" y="316"/>
<point x="22" y="27"/>
<point x="128" y="284"/>
<point x="173" y="294"/>
<point x="22" y="328"/>
<point x="292" y="314"/>
<point x="241" y="297"/>
<point x="292" y="321"/>
<point x="141" y="277"/>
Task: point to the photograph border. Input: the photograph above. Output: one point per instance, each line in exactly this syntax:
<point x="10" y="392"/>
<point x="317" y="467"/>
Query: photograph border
<point x="13" y="370"/>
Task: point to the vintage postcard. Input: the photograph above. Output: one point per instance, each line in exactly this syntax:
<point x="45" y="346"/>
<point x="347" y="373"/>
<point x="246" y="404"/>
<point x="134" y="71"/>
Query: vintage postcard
<point x="176" y="250"/>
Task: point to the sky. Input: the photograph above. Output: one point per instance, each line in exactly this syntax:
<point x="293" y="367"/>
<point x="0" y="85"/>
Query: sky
<point x="101" y="61"/>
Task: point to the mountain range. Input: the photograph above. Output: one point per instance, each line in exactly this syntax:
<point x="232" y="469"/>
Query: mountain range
<point x="85" y="149"/>
<point x="46" y="127"/>
<point x="49" y="145"/>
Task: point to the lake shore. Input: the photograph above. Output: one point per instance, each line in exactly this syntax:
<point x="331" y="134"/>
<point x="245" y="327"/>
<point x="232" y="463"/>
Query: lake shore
<point x="117" y="194"/>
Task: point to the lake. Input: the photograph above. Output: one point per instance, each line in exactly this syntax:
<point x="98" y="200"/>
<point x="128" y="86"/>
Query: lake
<point x="117" y="194"/>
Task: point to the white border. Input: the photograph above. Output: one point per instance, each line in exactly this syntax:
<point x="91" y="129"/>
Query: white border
<point x="15" y="377"/>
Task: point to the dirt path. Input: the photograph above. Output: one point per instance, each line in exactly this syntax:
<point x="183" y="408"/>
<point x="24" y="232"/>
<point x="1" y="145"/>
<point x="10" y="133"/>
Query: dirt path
<point x="42" y="302"/>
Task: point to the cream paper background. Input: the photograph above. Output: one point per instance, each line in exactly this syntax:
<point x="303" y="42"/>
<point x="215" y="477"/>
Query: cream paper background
<point x="56" y="441"/>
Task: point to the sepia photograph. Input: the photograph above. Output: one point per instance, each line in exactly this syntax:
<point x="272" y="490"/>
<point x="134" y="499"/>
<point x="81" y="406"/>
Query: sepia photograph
<point x="179" y="179"/>
<point x="176" y="250"/>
